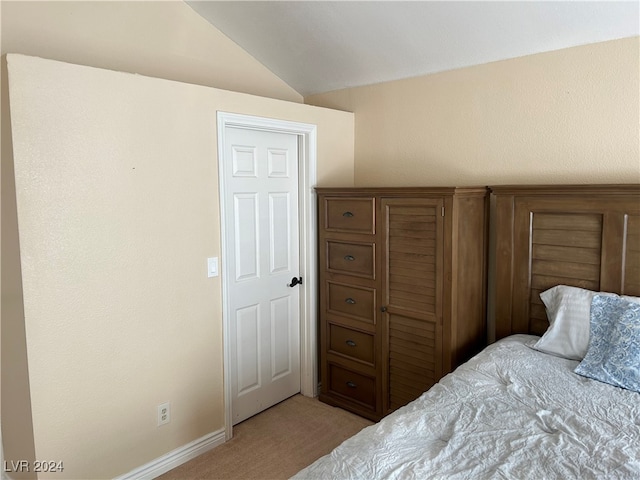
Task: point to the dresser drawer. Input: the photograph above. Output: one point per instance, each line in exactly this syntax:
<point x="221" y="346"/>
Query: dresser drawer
<point x="350" y="215"/>
<point x="351" y="343"/>
<point x="356" y="302"/>
<point x="352" y="385"/>
<point x="351" y="258"/>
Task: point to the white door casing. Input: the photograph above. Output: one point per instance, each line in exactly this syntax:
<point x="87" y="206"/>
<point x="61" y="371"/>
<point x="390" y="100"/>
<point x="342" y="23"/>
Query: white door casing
<point x="268" y="235"/>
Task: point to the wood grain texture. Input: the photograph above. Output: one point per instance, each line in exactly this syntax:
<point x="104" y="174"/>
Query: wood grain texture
<point x="631" y="257"/>
<point x="353" y="215"/>
<point x="349" y="291"/>
<point x="352" y="301"/>
<point x="353" y="386"/>
<point x="412" y="354"/>
<point x="429" y="249"/>
<point x="580" y="235"/>
<point x="351" y="343"/>
<point x="413" y="250"/>
<point x="351" y="258"/>
<point x="411" y="234"/>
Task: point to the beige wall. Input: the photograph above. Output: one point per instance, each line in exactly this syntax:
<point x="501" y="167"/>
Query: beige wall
<point x="117" y="196"/>
<point x="570" y="116"/>
<point x="161" y="39"/>
<point x="164" y="39"/>
<point x="16" y="403"/>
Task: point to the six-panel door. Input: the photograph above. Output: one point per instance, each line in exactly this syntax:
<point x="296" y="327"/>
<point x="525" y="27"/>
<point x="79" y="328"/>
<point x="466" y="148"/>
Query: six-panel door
<point x="261" y="193"/>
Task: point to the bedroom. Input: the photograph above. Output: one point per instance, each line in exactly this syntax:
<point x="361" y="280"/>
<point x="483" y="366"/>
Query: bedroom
<point x="592" y="129"/>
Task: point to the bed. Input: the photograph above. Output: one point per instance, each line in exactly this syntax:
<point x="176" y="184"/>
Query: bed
<point x="557" y="395"/>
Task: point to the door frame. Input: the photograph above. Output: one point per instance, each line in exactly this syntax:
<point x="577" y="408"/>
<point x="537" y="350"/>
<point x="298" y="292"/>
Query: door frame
<point x="307" y="159"/>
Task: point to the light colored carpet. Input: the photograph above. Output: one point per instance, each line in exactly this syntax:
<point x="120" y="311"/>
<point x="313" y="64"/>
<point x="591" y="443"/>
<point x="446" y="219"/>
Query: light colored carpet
<point x="274" y="444"/>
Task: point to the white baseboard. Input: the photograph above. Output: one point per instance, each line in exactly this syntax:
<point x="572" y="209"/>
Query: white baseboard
<point x="176" y="457"/>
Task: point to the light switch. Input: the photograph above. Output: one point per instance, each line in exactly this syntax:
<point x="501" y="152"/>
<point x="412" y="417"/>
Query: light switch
<point x="212" y="267"/>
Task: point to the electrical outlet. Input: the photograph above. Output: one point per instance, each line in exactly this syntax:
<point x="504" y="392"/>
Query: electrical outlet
<point x="164" y="413"/>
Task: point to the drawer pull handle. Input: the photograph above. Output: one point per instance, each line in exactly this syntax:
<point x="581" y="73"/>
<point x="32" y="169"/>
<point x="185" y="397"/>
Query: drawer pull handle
<point x="351" y="384"/>
<point x="351" y="343"/>
<point x="347" y="214"/>
<point x="350" y="301"/>
<point x="349" y="258"/>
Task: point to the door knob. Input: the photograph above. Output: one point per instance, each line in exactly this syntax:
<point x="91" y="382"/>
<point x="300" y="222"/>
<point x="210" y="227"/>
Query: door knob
<point x="295" y="281"/>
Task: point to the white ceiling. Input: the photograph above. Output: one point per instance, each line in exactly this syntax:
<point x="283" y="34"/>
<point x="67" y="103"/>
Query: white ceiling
<point x="319" y="46"/>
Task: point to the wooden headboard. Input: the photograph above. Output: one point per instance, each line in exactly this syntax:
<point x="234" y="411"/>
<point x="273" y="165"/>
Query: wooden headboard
<point x="586" y="236"/>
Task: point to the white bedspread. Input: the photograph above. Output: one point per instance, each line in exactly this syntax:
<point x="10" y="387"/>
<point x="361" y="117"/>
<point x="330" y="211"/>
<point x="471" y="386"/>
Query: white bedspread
<point x="510" y="412"/>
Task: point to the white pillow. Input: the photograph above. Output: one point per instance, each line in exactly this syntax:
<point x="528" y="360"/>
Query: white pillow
<point x="568" y="310"/>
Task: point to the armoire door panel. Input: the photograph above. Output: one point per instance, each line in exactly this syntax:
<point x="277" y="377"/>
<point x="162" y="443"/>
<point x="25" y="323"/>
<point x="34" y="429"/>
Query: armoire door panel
<point x="414" y="350"/>
<point x="412" y="245"/>
<point x="410" y="296"/>
<point x="418" y="288"/>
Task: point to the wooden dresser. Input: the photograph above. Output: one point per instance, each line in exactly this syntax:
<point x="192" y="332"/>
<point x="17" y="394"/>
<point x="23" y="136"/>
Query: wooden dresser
<point x="402" y="291"/>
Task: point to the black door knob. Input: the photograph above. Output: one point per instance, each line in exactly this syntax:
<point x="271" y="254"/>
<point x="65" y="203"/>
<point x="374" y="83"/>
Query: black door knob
<point x="295" y="281"/>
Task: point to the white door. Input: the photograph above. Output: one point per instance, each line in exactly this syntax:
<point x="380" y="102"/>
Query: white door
<point x="262" y="239"/>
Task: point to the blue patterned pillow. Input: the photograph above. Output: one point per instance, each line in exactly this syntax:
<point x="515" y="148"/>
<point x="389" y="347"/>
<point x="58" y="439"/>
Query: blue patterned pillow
<point x="613" y="355"/>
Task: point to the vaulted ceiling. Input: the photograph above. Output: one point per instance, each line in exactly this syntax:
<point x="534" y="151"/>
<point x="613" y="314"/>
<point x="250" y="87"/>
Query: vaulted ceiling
<point x="319" y="46"/>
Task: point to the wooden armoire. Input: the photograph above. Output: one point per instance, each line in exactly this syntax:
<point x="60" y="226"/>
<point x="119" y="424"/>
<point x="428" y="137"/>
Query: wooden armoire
<point x="402" y="291"/>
